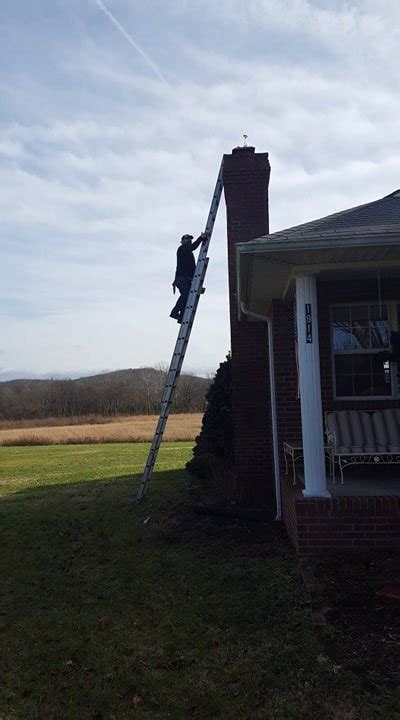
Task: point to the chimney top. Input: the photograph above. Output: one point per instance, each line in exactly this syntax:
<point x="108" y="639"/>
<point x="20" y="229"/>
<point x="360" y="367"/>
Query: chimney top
<point x="243" y="149"/>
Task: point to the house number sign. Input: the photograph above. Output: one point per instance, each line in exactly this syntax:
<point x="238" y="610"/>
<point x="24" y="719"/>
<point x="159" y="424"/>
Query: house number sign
<point x="308" y="323"/>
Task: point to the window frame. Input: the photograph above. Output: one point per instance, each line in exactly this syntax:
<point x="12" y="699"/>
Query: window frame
<point x="393" y="313"/>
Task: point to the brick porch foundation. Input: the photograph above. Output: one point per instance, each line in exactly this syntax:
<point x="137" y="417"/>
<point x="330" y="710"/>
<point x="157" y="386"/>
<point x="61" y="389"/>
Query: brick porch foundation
<point x="345" y="523"/>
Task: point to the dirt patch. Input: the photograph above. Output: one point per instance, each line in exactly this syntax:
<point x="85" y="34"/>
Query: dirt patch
<point x="363" y="630"/>
<point x="251" y="536"/>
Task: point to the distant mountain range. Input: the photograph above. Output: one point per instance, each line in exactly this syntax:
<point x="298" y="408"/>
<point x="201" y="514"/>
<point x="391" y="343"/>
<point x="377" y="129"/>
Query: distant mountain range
<point x="10" y="375"/>
<point x="6" y="375"/>
<point x="133" y="375"/>
<point x="132" y="391"/>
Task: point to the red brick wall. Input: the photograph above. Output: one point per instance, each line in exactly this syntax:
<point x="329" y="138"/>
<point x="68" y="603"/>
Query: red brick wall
<point x="287" y="402"/>
<point x="350" y="524"/>
<point x="246" y="178"/>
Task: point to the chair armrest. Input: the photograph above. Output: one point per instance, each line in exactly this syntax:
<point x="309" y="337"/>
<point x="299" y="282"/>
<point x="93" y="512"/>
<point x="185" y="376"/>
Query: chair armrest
<point x="331" y="440"/>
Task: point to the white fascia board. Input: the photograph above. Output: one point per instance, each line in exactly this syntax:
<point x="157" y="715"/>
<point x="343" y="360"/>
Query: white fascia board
<point x="253" y="249"/>
<point x="259" y="247"/>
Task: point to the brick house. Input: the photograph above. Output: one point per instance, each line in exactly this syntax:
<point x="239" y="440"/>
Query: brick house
<point x="311" y="311"/>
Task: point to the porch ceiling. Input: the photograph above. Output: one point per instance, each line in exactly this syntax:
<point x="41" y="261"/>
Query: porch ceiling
<point x="267" y="269"/>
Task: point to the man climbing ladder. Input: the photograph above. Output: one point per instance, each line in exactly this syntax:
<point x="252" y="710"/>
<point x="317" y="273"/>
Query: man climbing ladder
<point x="185" y="269"/>
<point x="196" y="288"/>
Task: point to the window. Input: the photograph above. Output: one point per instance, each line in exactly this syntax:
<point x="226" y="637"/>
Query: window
<point x="360" y="334"/>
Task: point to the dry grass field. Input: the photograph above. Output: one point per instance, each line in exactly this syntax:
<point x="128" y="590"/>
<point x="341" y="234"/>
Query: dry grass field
<point x="139" y="428"/>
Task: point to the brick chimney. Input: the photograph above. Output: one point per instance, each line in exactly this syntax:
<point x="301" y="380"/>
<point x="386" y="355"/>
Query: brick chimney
<point x="246" y="178"/>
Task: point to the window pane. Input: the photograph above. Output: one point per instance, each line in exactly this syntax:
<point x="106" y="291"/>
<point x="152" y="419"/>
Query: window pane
<point x="362" y="375"/>
<point x="361" y="336"/>
<point x="344" y="386"/>
<point x="344" y="364"/>
<point x="362" y="364"/>
<point x="363" y="385"/>
<point x="360" y="314"/>
<point x="378" y="312"/>
<point x="381" y="387"/>
<point x="379" y="333"/>
<point x="361" y="328"/>
<point x="341" y="314"/>
<point x="342" y="337"/>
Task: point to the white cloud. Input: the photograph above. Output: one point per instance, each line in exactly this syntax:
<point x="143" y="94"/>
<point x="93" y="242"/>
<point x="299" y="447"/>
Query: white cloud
<point x="95" y="198"/>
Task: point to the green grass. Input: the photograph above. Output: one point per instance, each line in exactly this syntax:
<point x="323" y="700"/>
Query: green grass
<point x="103" y="617"/>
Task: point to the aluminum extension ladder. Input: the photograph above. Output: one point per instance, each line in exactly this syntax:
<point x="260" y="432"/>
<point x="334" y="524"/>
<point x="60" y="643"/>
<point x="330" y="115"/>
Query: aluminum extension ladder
<point x="178" y="356"/>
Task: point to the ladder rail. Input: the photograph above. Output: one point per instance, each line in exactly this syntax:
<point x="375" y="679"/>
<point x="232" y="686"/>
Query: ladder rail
<point x="179" y="352"/>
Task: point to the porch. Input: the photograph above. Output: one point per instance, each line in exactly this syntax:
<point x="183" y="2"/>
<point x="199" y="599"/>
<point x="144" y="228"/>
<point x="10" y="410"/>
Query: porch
<point x="361" y="514"/>
<point x="335" y="368"/>
<point x="361" y="482"/>
<point x="329" y="291"/>
<point x="363" y="485"/>
<point x="364" y="512"/>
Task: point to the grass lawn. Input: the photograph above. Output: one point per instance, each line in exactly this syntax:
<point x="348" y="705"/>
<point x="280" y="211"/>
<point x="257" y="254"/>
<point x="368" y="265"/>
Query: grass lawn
<point x="102" y="616"/>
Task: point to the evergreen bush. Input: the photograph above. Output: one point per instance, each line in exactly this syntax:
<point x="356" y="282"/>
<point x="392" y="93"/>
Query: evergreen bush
<point x="211" y="467"/>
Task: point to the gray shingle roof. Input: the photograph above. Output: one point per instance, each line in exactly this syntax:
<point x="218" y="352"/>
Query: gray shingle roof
<point x="381" y="217"/>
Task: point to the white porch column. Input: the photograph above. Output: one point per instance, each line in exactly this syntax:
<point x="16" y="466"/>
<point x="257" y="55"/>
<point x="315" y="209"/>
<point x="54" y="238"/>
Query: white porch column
<point x="310" y="387"/>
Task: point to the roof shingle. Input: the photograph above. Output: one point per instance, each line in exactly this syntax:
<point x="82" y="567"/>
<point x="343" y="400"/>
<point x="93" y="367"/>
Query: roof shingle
<point x="380" y="217"/>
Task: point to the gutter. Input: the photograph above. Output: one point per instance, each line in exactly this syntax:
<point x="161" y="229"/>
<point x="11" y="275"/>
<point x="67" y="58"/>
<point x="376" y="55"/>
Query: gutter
<point x="274" y="419"/>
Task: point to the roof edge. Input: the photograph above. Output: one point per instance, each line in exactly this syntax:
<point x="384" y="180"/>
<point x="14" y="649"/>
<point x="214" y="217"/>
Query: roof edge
<point x="261" y="245"/>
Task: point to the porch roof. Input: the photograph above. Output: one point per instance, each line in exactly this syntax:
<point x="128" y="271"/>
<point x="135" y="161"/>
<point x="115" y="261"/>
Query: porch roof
<point x="367" y="235"/>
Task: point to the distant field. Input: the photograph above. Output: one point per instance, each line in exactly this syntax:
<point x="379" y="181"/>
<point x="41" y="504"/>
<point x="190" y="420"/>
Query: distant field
<point x="139" y="428"/>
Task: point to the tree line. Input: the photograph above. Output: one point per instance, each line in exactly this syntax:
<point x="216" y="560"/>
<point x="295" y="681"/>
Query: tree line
<point x="123" y="392"/>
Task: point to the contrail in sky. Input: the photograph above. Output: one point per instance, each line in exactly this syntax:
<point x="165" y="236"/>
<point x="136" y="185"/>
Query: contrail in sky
<point x="131" y="41"/>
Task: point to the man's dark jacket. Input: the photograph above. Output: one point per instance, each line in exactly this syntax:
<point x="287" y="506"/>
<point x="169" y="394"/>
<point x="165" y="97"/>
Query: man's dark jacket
<point x="185" y="262"/>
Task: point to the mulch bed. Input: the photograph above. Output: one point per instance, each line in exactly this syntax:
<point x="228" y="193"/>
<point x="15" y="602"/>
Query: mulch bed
<point x="250" y="532"/>
<point x="363" y="629"/>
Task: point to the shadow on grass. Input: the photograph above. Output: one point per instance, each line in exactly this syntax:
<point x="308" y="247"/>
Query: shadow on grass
<point x="79" y="570"/>
<point x="104" y="615"/>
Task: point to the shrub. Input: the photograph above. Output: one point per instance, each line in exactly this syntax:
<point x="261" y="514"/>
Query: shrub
<point x="211" y="468"/>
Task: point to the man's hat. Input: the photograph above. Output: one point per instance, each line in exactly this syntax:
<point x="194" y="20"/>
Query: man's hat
<point x="187" y="237"/>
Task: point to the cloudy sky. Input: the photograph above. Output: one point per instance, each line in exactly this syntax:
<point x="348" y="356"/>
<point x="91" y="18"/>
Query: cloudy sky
<point x="109" y="149"/>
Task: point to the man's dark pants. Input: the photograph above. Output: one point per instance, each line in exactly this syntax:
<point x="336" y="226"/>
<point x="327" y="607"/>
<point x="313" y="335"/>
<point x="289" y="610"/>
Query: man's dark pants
<point x="183" y="284"/>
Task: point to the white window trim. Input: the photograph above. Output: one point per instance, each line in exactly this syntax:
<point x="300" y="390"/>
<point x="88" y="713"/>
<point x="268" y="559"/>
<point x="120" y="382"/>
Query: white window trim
<point x="392" y="310"/>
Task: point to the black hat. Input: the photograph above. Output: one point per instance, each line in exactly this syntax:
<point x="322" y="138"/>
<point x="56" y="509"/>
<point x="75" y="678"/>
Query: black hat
<point x="187" y="237"/>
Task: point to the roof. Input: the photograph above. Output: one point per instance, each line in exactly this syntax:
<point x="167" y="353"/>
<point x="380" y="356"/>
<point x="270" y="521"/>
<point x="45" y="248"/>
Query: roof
<point x="381" y="217"/>
<point x="358" y="239"/>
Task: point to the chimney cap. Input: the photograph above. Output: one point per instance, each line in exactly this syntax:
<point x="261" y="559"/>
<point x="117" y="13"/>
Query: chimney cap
<point x="243" y="149"/>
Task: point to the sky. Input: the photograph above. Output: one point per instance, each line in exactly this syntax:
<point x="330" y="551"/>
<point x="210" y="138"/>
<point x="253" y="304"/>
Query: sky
<point x="114" y="117"/>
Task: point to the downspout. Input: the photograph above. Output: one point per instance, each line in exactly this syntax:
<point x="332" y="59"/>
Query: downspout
<point x="274" y="420"/>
